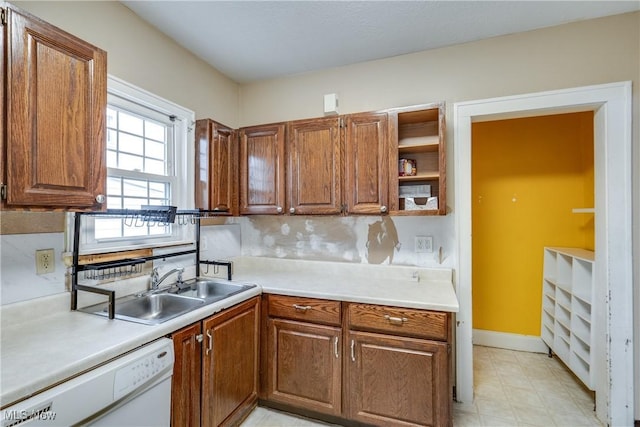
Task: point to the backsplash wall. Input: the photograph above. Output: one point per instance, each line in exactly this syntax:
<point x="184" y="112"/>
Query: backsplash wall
<point x="357" y="239"/>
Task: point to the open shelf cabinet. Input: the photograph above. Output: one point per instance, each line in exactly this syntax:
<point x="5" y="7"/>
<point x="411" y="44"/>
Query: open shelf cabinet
<point x="417" y="135"/>
<point x="567" y="299"/>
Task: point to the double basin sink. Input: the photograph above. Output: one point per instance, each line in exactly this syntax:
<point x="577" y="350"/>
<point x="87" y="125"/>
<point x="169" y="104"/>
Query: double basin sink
<point x="158" y="307"/>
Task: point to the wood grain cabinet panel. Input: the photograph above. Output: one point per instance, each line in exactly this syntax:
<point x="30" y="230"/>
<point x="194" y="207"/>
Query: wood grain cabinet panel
<point x="366" y="163"/>
<point x="216" y="167"/>
<point x="394" y="372"/>
<point x="55" y="107"/>
<point x="314" y="166"/>
<point x="185" y="383"/>
<point x="305" y="309"/>
<point x="215" y="376"/>
<point x="230" y="364"/>
<point x="396" y="381"/>
<point x="399" y="321"/>
<point x="305" y="365"/>
<point x="262" y="169"/>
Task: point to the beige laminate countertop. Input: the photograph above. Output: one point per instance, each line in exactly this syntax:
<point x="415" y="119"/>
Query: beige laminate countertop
<point x="43" y="343"/>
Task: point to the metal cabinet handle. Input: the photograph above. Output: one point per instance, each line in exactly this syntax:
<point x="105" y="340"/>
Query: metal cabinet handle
<point x="199" y="338"/>
<point x="279" y="209"/>
<point x="210" y="345"/>
<point x="335" y="347"/>
<point x="395" y="320"/>
<point x="383" y="209"/>
<point x="353" y="351"/>
<point x="301" y="307"/>
<point x="100" y="198"/>
<point x="292" y="210"/>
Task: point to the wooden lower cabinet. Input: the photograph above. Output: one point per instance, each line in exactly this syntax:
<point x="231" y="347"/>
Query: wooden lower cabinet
<point x="225" y="347"/>
<point x="357" y="363"/>
<point x="185" y="384"/>
<point x="305" y="365"/>
<point x="394" y="380"/>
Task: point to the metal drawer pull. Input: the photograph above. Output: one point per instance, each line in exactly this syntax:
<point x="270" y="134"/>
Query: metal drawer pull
<point x="199" y="337"/>
<point x="395" y="320"/>
<point x="335" y="347"/>
<point x="353" y="351"/>
<point x="210" y="345"/>
<point x="302" y="307"/>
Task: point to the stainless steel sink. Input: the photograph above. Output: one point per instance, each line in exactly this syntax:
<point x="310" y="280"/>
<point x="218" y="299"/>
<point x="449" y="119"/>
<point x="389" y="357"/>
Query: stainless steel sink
<point x="150" y="309"/>
<point x="166" y="304"/>
<point x="211" y="290"/>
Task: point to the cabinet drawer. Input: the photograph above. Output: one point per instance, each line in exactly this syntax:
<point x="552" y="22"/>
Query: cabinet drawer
<point x="307" y="309"/>
<point x="399" y="321"/>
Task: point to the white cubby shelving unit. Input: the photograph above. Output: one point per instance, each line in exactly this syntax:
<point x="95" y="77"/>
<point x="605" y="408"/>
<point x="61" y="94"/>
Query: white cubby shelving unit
<point x="567" y="301"/>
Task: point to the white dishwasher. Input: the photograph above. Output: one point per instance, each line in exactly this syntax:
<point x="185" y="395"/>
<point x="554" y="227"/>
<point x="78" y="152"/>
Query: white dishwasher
<point x="132" y="390"/>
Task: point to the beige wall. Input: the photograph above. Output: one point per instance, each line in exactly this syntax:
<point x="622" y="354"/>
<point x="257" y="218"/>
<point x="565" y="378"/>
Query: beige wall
<point x="579" y="54"/>
<point x="590" y="52"/>
<point x="141" y="55"/>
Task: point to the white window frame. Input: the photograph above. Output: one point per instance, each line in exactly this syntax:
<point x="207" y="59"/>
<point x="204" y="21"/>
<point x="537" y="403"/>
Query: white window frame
<point x="125" y="94"/>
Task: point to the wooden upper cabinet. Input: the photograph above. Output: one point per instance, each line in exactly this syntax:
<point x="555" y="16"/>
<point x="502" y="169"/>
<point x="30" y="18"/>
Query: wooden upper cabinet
<point x="314" y="170"/>
<point x="418" y="134"/>
<point x="55" y="105"/>
<point x="216" y="167"/>
<point x="262" y="169"/>
<point x="366" y="163"/>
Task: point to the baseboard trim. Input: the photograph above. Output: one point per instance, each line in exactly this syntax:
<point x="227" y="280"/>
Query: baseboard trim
<point x="509" y="341"/>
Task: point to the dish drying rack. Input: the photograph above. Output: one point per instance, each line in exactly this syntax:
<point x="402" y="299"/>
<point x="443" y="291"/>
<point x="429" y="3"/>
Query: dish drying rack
<point x="145" y="216"/>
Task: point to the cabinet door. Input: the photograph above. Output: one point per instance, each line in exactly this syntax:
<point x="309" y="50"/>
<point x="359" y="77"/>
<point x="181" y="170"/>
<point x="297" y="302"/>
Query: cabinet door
<point x="366" y="163"/>
<point x="315" y="166"/>
<point x="230" y="364"/>
<point x="185" y="384"/>
<point x="397" y="380"/>
<point x="304" y="365"/>
<point x="262" y="169"/>
<point x="216" y="163"/>
<point x="55" y="116"/>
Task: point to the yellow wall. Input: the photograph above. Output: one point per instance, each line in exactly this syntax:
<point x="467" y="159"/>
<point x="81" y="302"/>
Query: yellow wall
<point x="527" y="176"/>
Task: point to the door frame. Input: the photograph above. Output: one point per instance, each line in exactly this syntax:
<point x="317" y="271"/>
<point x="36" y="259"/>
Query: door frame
<point x="613" y="320"/>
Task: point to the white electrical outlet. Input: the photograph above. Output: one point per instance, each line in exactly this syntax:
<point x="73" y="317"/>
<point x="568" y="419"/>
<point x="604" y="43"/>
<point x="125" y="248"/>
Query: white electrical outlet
<point x="45" y="261"/>
<point x="424" y="244"/>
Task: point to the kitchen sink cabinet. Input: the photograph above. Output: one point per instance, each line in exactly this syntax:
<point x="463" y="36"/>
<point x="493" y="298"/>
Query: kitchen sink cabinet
<point x="54" y="94"/>
<point x="185" y="384"/>
<point x="303" y="353"/>
<point x="314" y="173"/>
<point x="262" y="169"/>
<point x="216" y="168"/>
<point x="225" y="348"/>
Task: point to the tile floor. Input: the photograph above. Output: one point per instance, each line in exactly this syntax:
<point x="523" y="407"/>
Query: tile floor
<point x="512" y="388"/>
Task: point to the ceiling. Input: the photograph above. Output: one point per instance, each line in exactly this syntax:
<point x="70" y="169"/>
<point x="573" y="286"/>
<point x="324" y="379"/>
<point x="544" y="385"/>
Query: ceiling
<point x="256" y="40"/>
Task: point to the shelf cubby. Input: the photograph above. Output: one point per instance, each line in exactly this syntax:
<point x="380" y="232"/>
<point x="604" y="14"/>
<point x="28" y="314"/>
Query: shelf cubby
<point x="567" y="297"/>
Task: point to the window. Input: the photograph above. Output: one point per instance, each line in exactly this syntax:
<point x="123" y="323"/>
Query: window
<point x="147" y="162"/>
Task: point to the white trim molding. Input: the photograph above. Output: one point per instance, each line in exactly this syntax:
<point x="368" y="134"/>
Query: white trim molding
<point x="613" y="324"/>
<point x="509" y="341"/>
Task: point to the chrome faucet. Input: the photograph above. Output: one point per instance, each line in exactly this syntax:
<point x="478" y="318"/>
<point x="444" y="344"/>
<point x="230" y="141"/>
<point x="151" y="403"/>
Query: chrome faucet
<point x="155" y="280"/>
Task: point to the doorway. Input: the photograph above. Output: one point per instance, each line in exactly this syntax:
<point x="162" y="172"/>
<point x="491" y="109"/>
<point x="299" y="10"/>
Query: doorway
<point x="611" y="106"/>
<point x="528" y="176"/>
